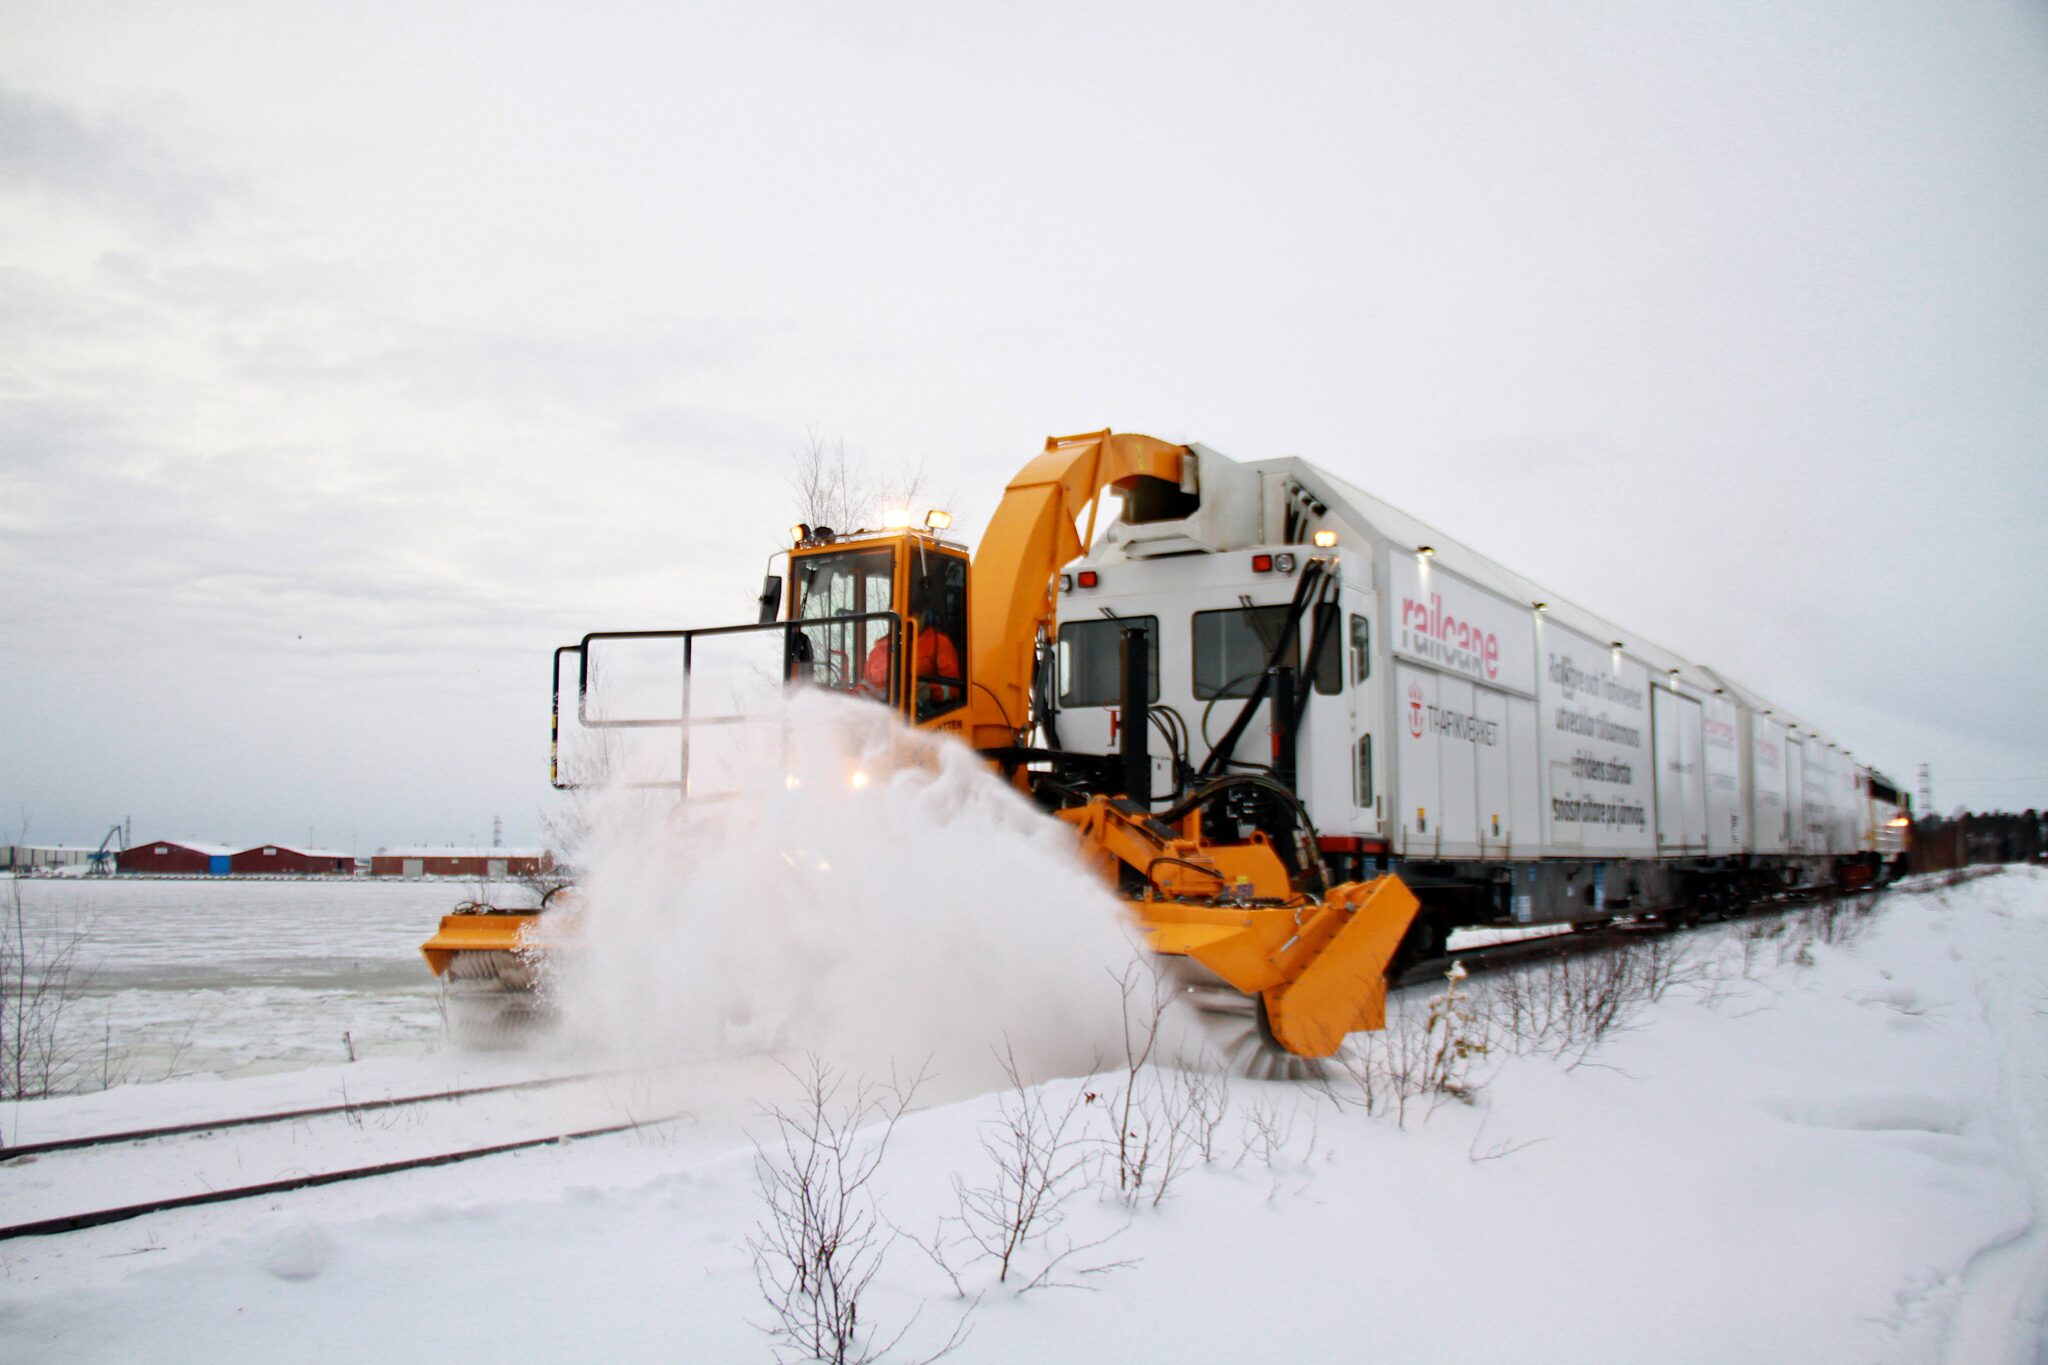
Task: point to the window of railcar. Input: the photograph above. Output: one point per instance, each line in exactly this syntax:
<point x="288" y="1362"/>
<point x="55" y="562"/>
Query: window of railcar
<point x="1232" y="647"/>
<point x="1091" y="660"/>
<point x="1330" y="663"/>
<point x="1361" y="648"/>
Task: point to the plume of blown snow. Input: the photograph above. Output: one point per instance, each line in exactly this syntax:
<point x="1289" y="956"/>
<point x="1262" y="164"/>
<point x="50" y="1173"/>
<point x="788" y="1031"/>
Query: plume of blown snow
<point x="868" y="892"/>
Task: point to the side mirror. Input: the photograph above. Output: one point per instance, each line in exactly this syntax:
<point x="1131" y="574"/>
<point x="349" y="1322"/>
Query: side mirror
<point x="771" y="598"/>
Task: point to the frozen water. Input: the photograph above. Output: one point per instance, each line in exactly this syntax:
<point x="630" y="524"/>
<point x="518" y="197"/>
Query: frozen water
<point x="177" y="977"/>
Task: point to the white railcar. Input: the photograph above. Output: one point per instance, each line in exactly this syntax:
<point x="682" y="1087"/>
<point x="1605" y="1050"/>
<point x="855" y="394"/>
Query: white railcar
<point x="1517" y="756"/>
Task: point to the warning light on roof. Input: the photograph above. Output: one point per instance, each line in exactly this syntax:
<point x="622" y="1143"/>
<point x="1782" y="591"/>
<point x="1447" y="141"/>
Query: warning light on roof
<point x="896" y="519"/>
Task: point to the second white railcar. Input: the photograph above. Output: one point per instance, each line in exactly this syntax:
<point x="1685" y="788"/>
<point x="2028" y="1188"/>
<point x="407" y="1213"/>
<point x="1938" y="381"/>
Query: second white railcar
<point x="1517" y="757"/>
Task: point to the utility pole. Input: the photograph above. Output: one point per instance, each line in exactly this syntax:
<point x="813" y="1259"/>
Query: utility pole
<point x="497" y="832"/>
<point x="1926" y="792"/>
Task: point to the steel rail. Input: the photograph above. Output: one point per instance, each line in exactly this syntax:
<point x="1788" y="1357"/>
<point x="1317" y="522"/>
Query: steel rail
<point x="99" y="1217"/>
<point x="1606" y="934"/>
<point x="290" y="1115"/>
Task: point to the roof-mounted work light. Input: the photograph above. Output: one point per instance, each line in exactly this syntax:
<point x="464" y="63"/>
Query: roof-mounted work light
<point x="938" y="521"/>
<point x="1325" y="540"/>
<point x="1426" y="551"/>
<point x="799" y="533"/>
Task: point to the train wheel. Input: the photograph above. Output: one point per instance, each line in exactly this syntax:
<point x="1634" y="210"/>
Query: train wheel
<point x="1429" y="937"/>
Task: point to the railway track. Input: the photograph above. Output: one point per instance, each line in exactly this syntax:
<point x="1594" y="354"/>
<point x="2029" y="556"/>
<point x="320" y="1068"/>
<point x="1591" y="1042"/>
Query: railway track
<point x="1610" y="934"/>
<point x="86" y="1181"/>
<point x="170" y="1154"/>
<point x="290" y="1115"/>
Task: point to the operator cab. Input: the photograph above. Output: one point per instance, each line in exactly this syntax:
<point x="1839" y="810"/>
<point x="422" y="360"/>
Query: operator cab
<point x="881" y="615"/>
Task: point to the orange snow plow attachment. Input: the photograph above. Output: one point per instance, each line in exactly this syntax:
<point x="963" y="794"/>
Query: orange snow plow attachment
<point x="489" y="963"/>
<point x="1320" y="969"/>
<point x="1317" y="967"/>
<point x="490" y="932"/>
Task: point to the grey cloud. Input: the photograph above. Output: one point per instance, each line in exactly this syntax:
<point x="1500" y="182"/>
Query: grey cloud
<point x="107" y="164"/>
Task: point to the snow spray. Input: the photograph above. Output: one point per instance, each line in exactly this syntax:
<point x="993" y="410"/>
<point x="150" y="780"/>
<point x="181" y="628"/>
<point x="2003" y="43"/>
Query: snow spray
<point x="862" y="890"/>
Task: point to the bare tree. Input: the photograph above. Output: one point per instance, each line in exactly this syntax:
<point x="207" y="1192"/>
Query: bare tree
<point x="836" y="489"/>
<point x="831" y="488"/>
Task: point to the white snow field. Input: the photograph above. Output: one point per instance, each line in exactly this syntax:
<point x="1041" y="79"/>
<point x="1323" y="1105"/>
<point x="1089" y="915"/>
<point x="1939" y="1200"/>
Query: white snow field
<point x="1825" y="1142"/>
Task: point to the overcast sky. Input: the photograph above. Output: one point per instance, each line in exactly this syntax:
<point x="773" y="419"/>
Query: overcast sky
<point x="353" y="356"/>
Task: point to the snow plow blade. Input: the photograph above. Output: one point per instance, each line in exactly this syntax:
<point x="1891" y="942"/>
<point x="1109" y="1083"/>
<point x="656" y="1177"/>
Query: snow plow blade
<point x="475" y="933"/>
<point x="1320" y="969"/>
<point x="1341" y="985"/>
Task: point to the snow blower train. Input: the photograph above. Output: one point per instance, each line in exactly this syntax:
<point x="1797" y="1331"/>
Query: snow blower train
<point x="1304" y="736"/>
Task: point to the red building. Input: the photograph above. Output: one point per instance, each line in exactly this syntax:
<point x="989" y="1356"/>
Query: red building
<point x="288" y="861"/>
<point x="488" y="864"/>
<point x="177" y="856"/>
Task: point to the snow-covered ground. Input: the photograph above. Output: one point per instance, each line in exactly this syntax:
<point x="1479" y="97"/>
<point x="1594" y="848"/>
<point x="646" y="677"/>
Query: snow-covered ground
<point x="1825" y="1142"/>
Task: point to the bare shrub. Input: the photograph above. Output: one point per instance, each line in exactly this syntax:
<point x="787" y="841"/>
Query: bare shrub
<point x="544" y="881"/>
<point x="821" y="1243"/>
<point x="1752" y="941"/>
<point x="1426" y="1054"/>
<point x="1159" y="1125"/>
<point x="1565" y="1006"/>
<point x="1667" y="961"/>
<point x="1036" y="1163"/>
<point x="1384" y="1068"/>
<point x="1267" y="1134"/>
<point x="1267" y="1138"/>
<point x="40" y="977"/>
<point x="1456" y="1038"/>
<point x="1205" y="1099"/>
<point x="1836" y="922"/>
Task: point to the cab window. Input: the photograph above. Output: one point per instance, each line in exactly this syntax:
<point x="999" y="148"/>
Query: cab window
<point x="1091" y="660"/>
<point x="1232" y="648"/>
<point x="831" y="588"/>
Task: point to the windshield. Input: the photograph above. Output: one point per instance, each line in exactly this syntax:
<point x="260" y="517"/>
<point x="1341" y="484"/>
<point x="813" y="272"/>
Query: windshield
<point x="843" y="653"/>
